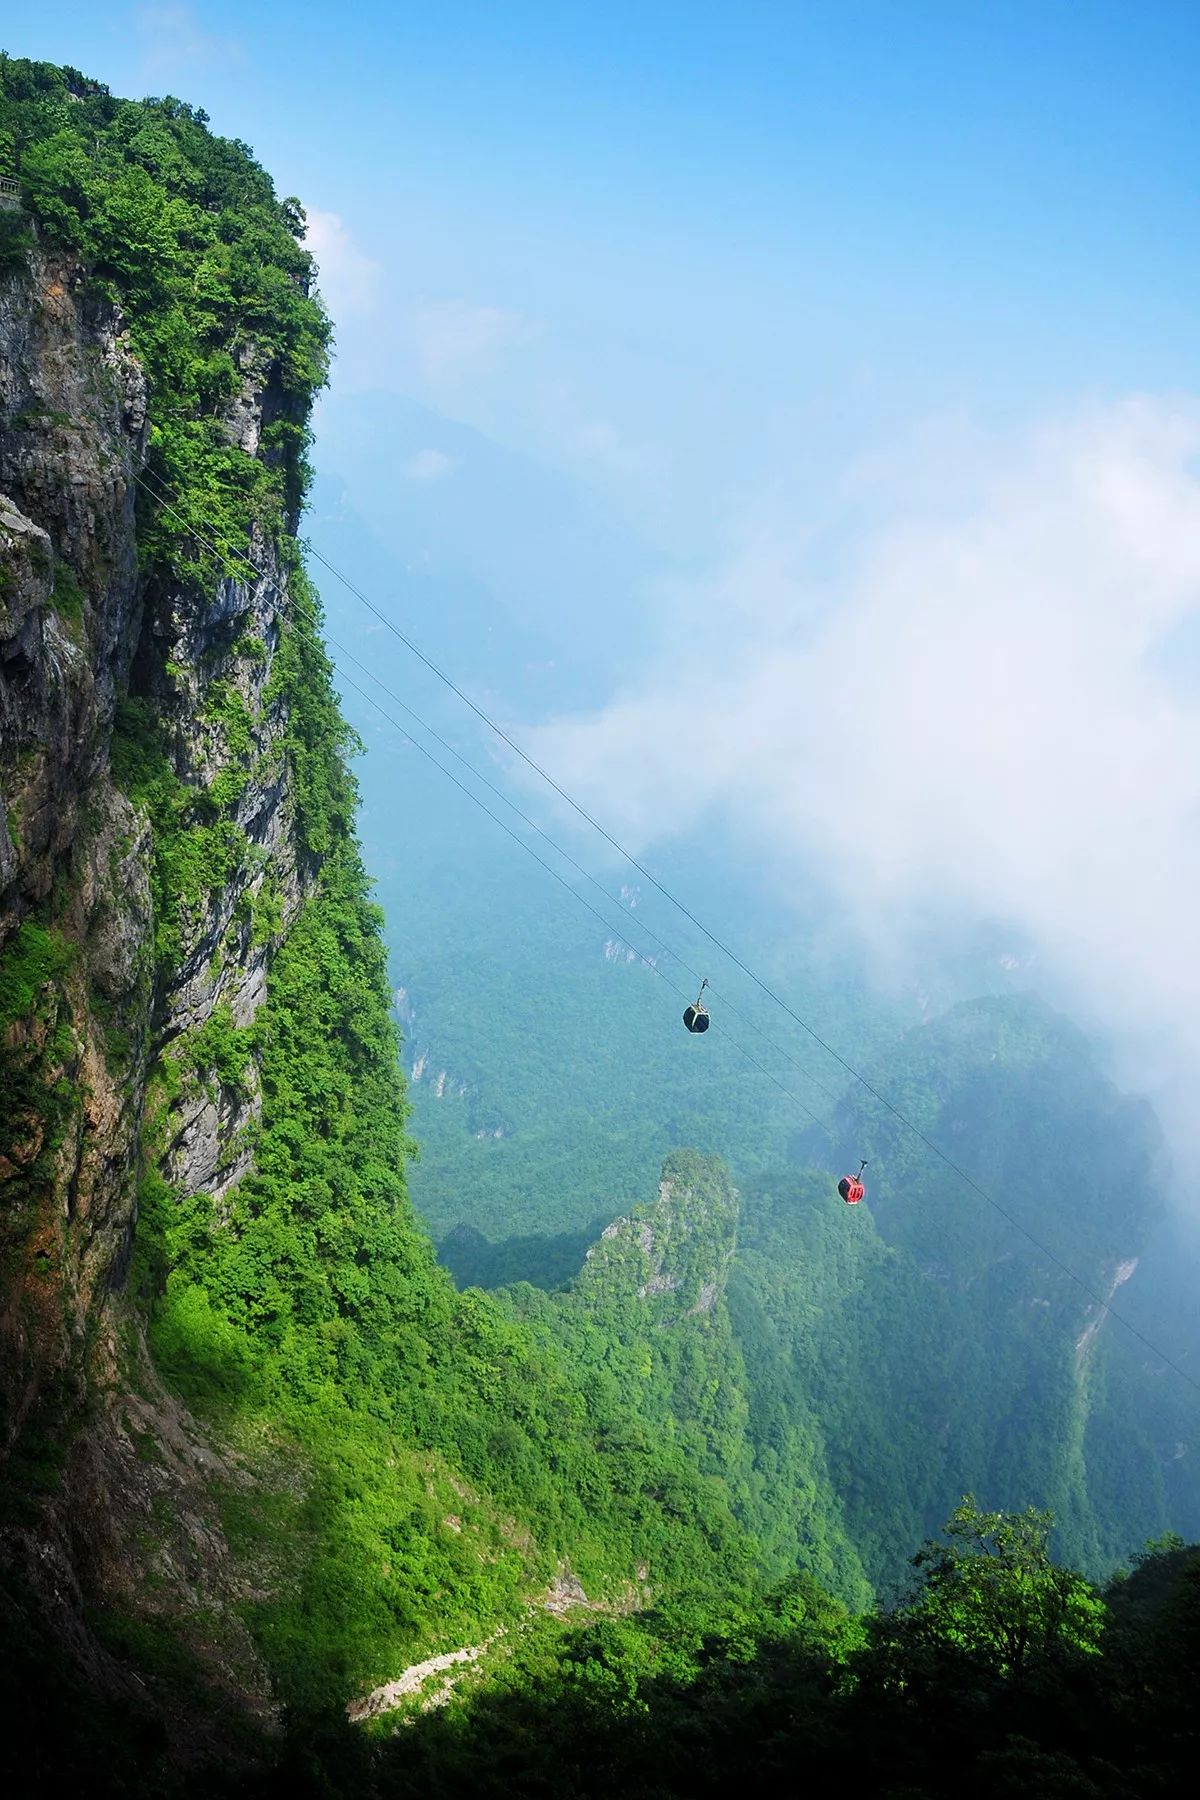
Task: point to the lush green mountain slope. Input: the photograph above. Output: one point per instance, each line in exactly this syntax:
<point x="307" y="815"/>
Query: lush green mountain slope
<point x="891" y="1358"/>
<point x="310" y="1457"/>
<point x="936" y="1348"/>
<point x="260" y="1455"/>
<point x="647" y="1319"/>
<point x="1001" y="1674"/>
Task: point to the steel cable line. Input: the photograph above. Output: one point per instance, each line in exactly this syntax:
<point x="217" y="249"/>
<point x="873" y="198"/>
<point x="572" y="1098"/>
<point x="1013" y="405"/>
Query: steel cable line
<point x="648" y="962"/>
<point x="916" y="1131"/>
<point x="313" y="619"/>
<point x="739" y="963"/>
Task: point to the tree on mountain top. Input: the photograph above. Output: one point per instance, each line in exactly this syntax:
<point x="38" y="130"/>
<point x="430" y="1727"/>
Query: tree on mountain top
<point x="989" y="1592"/>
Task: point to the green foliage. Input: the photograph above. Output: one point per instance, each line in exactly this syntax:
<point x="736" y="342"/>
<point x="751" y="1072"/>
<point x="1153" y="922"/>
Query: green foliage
<point x="196" y="854"/>
<point x="226" y="708"/>
<point x="30" y="961"/>
<point x="220" y="1049"/>
<point x="785" y="1692"/>
<point x="184" y="229"/>
<point x="67" y="597"/>
<point x="16" y="241"/>
<point x="778" y="1694"/>
<point x="266" y="912"/>
<point x="990" y="1591"/>
<point x="37" y="1098"/>
<point x="669" y="1702"/>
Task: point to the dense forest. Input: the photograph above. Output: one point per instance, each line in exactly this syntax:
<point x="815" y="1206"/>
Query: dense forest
<point x="649" y="1503"/>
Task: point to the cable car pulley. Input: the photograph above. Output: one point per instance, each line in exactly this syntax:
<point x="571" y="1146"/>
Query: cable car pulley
<point x="851" y="1188"/>
<point x="696" y="1016"/>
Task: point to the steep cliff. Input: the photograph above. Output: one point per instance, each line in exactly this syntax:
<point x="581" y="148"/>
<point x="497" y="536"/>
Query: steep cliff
<point x="256" y="1451"/>
<point x="648" y="1327"/>
<point x="258" y="1458"/>
<point x="152" y="858"/>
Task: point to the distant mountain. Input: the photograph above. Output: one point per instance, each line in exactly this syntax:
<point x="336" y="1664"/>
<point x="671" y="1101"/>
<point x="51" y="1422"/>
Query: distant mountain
<point x="509" y="570"/>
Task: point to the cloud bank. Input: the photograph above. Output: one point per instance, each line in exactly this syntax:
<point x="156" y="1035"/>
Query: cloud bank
<point x="349" y="280"/>
<point x="456" y="342"/>
<point x="994" y="707"/>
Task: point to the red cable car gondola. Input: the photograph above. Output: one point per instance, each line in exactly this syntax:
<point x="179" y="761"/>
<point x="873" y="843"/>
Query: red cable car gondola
<point x="851" y="1188"/>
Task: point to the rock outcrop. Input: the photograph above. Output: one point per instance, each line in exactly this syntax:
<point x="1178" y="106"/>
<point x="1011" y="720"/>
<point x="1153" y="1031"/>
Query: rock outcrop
<point x="675" y="1253"/>
<point x="87" y="626"/>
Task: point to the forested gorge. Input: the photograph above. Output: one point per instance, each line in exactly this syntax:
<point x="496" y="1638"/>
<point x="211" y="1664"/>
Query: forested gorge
<point x="660" y="1486"/>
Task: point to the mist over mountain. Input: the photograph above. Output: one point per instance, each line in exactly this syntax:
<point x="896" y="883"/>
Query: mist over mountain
<point x="425" y="1367"/>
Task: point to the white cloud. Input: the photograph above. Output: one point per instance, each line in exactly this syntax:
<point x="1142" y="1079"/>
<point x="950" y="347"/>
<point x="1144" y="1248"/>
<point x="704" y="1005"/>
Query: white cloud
<point x="173" y="40"/>
<point x="989" y="712"/>
<point x="568" y="421"/>
<point x="348" y="279"/>
<point x="598" y="442"/>
<point x="429" y="465"/>
<point x="456" y="342"/>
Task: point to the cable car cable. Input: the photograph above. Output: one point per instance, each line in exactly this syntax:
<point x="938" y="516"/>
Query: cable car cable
<point x="738" y="962"/>
<point x="576" y="806"/>
<point x="648" y="962"/>
<point x="493" y="788"/>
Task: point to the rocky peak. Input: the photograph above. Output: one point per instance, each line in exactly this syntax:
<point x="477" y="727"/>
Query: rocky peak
<point x="99" y="643"/>
<point x="675" y="1252"/>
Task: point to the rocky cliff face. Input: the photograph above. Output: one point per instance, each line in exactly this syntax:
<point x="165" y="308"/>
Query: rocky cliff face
<point x="91" y="1005"/>
<point x="674" y="1255"/>
<point x="203" y="1119"/>
<point x="72" y="435"/>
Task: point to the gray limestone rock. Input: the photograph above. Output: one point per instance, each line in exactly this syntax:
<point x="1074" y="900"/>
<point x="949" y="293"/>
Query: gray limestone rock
<point x="84" y="630"/>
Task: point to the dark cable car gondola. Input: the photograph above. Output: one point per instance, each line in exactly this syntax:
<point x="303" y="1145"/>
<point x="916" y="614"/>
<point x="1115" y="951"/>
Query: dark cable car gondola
<point x="696" y="1017"/>
<point x="851" y="1188"/>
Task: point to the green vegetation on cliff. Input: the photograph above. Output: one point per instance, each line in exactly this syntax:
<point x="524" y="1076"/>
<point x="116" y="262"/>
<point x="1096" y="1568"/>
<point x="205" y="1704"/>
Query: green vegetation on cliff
<point x="183" y="230"/>
<point x="727" y="1446"/>
<point x="425" y="1460"/>
<point x="37" y="1096"/>
<point x="999" y="1674"/>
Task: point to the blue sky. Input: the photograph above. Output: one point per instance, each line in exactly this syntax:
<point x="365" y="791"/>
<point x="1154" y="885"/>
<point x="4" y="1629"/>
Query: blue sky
<point x="851" y="352"/>
<point x="698" y="237"/>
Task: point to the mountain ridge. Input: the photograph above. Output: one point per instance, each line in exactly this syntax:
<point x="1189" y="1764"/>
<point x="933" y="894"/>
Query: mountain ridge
<point x="257" y="1452"/>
